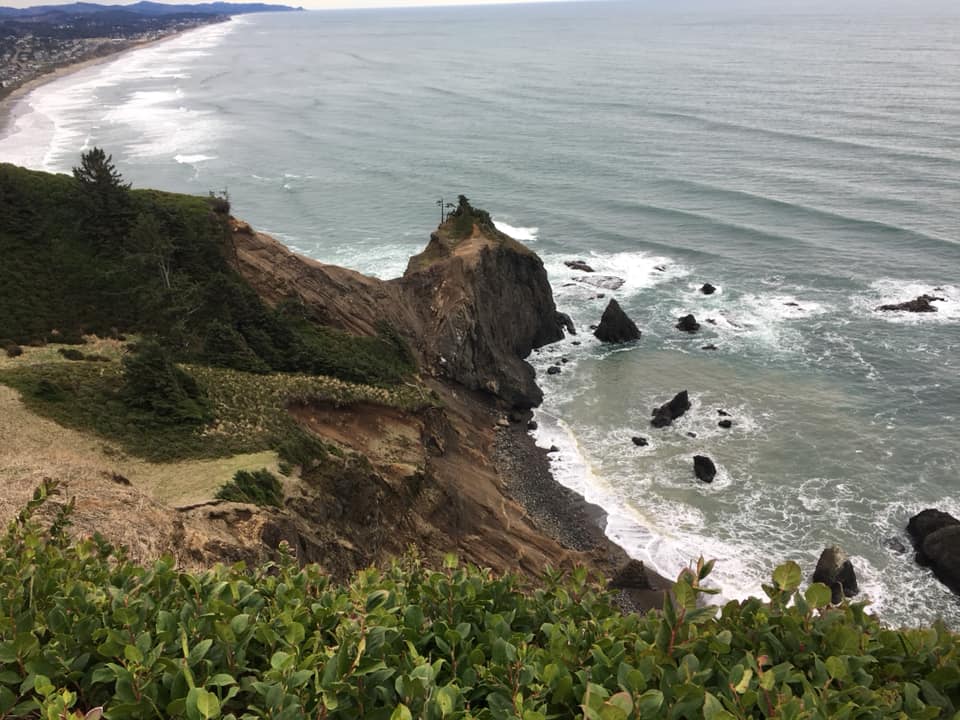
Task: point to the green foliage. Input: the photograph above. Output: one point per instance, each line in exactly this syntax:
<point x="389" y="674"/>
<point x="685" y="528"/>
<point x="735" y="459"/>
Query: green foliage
<point x="82" y="627"/>
<point x="87" y="254"/>
<point x="260" y="487"/>
<point x="159" y="392"/>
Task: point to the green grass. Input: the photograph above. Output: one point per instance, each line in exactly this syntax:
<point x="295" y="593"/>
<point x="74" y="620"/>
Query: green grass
<point x="249" y="410"/>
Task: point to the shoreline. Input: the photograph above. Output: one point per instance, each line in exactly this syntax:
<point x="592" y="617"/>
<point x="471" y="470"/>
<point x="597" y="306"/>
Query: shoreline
<point x="10" y="102"/>
<point x="565" y="515"/>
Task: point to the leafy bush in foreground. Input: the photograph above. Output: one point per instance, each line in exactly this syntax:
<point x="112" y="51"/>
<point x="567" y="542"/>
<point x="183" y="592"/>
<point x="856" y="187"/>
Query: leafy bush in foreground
<point x="82" y="627"/>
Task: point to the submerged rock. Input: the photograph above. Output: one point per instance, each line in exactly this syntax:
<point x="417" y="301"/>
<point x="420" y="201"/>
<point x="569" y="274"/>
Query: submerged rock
<point x="835" y="570"/>
<point x="578" y="265"/>
<point x="615" y="326"/>
<point x="668" y="412"/>
<point x="688" y="323"/>
<point x="704" y="468"/>
<point x="708" y="289"/>
<point x="920" y="304"/>
<point x="936" y="540"/>
<point x="607" y="282"/>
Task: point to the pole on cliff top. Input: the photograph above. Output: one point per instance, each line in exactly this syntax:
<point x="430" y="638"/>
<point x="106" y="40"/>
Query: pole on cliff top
<point x="440" y="203"/>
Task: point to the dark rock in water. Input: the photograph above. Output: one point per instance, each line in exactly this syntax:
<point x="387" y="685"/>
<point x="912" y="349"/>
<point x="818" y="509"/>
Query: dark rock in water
<point x="936" y="539"/>
<point x="725" y="423"/>
<point x="553" y="370"/>
<point x="578" y="265"/>
<point x="668" y="412"/>
<point x="615" y="326"/>
<point x="792" y="304"/>
<point x="575" y="342"/>
<point x="607" y="282"/>
<point x="918" y="305"/>
<point x="532" y="425"/>
<point x="712" y="321"/>
<point x="553" y="449"/>
<point x="711" y="346"/>
<point x="893" y="543"/>
<point x="640" y="441"/>
<point x="564" y="360"/>
<point x="688" y="323"/>
<point x="704" y="468"/>
<point x="691" y="434"/>
<point x="632" y="576"/>
<point x="564" y="321"/>
<point x="708" y="289"/>
<point x="723" y="413"/>
<point x="599" y="296"/>
<point x="660" y="268"/>
<point x="835" y="570"/>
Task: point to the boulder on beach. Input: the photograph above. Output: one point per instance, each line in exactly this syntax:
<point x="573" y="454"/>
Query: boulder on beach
<point x="704" y="468"/>
<point x="708" y="289"/>
<point x="632" y="576"/>
<point x="688" y="323"/>
<point x="936" y="540"/>
<point x="615" y="326"/>
<point x="919" y="304"/>
<point x="835" y="570"/>
<point x="578" y="265"/>
<point x="668" y="412"/>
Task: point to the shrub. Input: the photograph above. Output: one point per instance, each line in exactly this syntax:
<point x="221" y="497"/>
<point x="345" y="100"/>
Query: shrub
<point x="260" y="487"/>
<point x="81" y="626"/>
<point x="13" y="350"/>
<point x="223" y="346"/>
<point x="159" y="390"/>
<point x="302" y="449"/>
<point x="71" y="354"/>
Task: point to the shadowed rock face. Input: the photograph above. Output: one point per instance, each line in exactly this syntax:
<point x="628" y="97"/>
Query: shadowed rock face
<point x="472" y="305"/>
<point x="835" y="570"/>
<point x="936" y="540"/>
<point x="668" y="412"/>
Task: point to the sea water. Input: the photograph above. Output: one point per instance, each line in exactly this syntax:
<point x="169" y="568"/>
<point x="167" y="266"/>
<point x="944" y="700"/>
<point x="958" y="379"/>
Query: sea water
<point x="805" y="163"/>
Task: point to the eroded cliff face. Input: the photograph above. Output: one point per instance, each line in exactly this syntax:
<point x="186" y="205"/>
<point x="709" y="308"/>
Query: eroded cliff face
<point x="471" y="308"/>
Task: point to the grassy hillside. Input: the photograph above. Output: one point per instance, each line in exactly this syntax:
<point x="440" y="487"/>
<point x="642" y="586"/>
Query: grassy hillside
<point x="83" y="628"/>
<point x="78" y="258"/>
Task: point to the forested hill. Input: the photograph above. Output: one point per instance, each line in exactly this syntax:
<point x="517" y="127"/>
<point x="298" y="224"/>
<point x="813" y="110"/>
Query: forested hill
<point x="88" y="255"/>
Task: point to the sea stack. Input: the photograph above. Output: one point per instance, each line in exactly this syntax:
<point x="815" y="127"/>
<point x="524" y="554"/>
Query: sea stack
<point x="670" y="411"/>
<point x="615" y="326"/>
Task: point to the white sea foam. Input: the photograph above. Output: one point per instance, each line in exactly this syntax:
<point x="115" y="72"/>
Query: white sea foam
<point x="523" y="234"/>
<point x="889" y="291"/>
<point x="55" y="122"/>
<point x="191" y="159"/>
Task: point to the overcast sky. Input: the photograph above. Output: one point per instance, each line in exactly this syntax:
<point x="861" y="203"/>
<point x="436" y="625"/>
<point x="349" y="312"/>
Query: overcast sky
<point x="779" y="6"/>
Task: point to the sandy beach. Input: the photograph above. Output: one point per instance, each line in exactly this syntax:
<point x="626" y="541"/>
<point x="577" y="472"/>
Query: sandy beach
<point x="10" y="102"/>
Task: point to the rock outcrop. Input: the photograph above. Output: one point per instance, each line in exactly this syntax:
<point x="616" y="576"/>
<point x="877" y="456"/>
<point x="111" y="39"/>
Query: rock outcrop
<point x="615" y="326"/>
<point x="704" y="468"/>
<point x="936" y="541"/>
<point x="670" y="411"/>
<point x="835" y="570"/>
<point x="473" y="304"/>
<point x="919" y="304"/>
<point x="607" y="282"/>
<point x="578" y="265"/>
<point x="688" y="323"/>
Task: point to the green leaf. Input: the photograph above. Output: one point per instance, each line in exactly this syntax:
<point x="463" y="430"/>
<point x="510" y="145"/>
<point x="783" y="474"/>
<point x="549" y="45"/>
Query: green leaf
<point x="649" y="703"/>
<point x="207" y="704"/>
<point x="713" y="709"/>
<point x="788" y="576"/>
<point x="199" y="651"/>
<point x="818" y="595"/>
<point x="446" y="698"/>
<point x="401" y="712"/>
<point x="837" y="667"/>
<point x="221" y="679"/>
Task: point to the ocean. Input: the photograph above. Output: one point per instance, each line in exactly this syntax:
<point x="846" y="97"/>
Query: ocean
<point x="807" y="164"/>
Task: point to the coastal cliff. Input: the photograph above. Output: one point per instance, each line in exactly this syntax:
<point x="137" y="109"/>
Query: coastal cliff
<point x="405" y="400"/>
